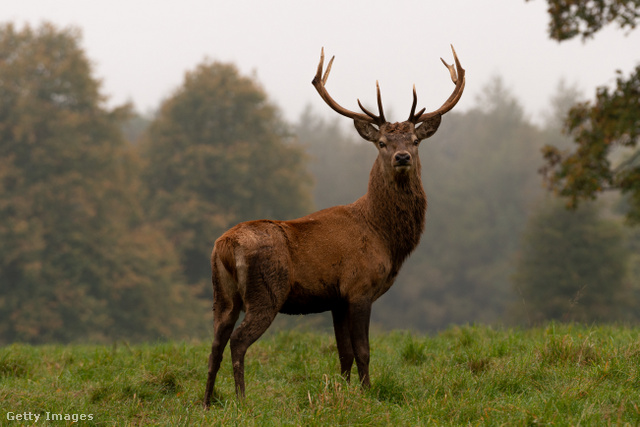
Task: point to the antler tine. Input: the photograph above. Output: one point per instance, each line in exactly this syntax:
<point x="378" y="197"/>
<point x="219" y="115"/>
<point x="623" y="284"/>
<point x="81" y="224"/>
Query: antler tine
<point x="414" y="103"/>
<point x="452" y="71"/>
<point x="458" y="78"/>
<point x="380" y="109"/>
<point x="319" y="82"/>
<point x="413" y="114"/>
<point x="326" y="73"/>
<point x="320" y="66"/>
<point x="379" y="120"/>
<point x="367" y="112"/>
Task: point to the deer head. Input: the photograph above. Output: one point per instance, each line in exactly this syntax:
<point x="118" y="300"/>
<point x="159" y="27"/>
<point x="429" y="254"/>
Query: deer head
<point x="397" y="143"/>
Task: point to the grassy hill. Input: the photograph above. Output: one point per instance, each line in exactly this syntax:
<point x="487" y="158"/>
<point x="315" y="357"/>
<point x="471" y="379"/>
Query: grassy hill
<point x="472" y="375"/>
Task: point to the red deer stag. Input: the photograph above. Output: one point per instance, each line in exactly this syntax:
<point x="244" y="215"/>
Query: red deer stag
<point x="339" y="259"/>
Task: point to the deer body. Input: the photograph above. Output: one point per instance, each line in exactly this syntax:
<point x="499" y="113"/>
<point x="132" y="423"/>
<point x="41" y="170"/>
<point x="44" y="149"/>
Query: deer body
<point x="339" y="259"/>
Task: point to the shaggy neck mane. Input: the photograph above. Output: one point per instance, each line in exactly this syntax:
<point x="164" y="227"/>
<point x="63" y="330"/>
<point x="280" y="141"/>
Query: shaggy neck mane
<point x="396" y="210"/>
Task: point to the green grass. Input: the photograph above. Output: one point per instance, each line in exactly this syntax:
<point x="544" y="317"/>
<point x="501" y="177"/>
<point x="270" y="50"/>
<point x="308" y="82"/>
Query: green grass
<point x="474" y="375"/>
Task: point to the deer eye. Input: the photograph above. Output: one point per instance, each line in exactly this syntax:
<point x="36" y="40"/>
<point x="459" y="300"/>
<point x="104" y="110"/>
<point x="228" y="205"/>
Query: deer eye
<point x="381" y="144"/>
<point x="416" y="142"/>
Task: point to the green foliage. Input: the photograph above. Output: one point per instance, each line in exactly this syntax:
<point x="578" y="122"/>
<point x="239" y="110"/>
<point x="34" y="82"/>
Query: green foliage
<point x="598" y="127"/>
<point x="613" y="121"/>
<point x="76" y="261"/>
<point x="573" y="267"/>
<point x="217" y="154"/>
<point x="556" y="375"/>
<point x="571" y="18"/>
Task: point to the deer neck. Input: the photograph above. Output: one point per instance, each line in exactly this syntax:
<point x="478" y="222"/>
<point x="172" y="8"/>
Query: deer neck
<point x="396" y="208"/>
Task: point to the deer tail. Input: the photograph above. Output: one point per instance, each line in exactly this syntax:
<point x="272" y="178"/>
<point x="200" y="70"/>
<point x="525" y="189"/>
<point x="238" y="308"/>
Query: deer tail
<point x="224" y="250"/>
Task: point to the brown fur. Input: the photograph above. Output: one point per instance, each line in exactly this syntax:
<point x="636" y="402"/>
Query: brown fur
<point x="339" y="259"/>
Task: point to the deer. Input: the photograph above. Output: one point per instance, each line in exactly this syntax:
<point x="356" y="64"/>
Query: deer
<point x="340" y="259"/>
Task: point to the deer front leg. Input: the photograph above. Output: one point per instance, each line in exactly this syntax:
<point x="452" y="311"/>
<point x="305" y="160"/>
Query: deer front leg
<point x="359" y="316"/>
<point x="343" y="340"/>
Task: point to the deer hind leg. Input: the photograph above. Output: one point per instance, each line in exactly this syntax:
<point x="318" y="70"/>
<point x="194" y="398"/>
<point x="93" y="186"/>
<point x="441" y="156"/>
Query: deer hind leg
<point x="254" y="324"/>
<point x="343" y="340"/>
<point x="265" y="281"/>
<point x="226" y="311"/>
<point x="359" y="317"/>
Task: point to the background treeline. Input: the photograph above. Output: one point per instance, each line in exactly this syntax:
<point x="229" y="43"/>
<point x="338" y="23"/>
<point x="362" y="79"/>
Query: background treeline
<point x="107" y="217"/>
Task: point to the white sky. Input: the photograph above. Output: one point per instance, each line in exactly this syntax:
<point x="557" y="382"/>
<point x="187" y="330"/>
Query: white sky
<point x="141" y="48"/>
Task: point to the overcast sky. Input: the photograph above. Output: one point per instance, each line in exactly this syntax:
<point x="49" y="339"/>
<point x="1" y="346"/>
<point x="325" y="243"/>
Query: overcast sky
<point x="141" y="48"/>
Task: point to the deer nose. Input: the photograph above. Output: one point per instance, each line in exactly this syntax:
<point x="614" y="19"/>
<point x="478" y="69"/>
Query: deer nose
<point x="402" y="158"/>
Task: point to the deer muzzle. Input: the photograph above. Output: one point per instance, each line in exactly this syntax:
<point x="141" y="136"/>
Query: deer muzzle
<point x="402" y="161"/>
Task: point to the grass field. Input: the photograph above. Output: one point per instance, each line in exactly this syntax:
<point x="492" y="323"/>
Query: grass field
<point x="473" y="375"/>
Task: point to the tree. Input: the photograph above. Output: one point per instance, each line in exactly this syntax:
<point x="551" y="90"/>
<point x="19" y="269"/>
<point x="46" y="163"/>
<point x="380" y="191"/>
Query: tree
<point x="76" y="260"/>
<point x="573" y="267"/>
<point x="597" y="127"/>
<point x="218" y="153"/>
<point x="571" y="18"/>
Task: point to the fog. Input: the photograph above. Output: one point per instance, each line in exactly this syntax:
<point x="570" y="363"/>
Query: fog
<point x="142" y="49"/>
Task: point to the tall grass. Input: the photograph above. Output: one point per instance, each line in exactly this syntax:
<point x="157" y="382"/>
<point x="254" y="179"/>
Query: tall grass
<point x="472" y="375"/>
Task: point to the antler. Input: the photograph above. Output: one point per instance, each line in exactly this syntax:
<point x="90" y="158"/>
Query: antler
<point x="458" y="80"/>
<point x="319" y="81"/>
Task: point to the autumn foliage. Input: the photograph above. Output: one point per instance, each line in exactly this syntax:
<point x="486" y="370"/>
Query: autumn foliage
<point x="91" y="236"/>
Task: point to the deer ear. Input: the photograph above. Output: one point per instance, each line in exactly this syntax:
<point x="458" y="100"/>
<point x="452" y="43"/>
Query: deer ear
<point x="367" y="130"/>
<point x="428" y="127"/>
